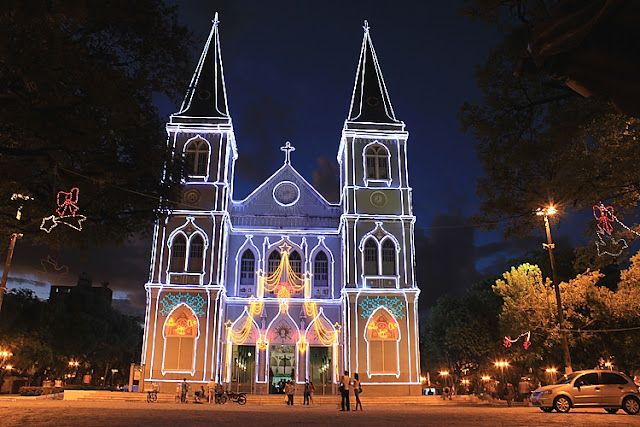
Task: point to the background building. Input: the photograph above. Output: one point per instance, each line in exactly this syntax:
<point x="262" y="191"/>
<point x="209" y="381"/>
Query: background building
<point x="284" y="284"/>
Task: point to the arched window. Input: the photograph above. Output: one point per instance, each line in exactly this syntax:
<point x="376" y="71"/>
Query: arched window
<point x="180" y="332"/>
<point x="388" y="258"/>
<point x="273" y="262"/>
<point x="197" y="157"/>
<point x="178" y="253"/>
<point x="321" y="270"/>
<point x="296" y="262"/>
<point x="370" y="257"/>
<point x="382" y="340"/>
<point x="377" y="162"/>
<point x="247" y="268"/>
<point x="196" y="252"/>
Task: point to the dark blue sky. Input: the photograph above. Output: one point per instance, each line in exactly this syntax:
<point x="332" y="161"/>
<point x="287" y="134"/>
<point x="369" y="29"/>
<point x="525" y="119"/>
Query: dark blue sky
<point x="290" y="68"/>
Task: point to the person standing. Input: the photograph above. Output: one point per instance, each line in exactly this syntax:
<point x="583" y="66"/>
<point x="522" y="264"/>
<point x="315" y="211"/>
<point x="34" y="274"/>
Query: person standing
<point x="306" y="393"/>
<point x="291" y="392"/>
<point x="312" y="391"/>
<point x="510" y="393"/>
<point x="184" y="389"/>
<point x="357" y="389"/>
<point x="345" y="384"/>
<point x="211" y="387"/>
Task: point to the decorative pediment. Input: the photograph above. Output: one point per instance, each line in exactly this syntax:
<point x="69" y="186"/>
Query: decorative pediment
<point x="285" y="200"/>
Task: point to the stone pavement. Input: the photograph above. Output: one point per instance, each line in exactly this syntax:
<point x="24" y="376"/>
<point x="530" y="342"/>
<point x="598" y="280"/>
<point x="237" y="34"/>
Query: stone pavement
<point x="138" y="414"/>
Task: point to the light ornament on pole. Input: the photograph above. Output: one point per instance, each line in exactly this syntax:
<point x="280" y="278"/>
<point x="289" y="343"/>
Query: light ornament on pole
<point x="66" y="213"/>
<point x="526" y="344"/>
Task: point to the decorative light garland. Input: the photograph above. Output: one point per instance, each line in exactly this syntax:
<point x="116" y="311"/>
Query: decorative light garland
<point x="66" y="213"/>
<point x="525" y="344"/>
<point x="605" y="219"/>
<point x="195" y="301"/>
<point x="370" y="304"/>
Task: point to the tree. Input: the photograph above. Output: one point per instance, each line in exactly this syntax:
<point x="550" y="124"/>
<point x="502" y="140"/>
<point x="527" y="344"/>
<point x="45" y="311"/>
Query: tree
<point x="538" y="140"/>
<point x="462" y="332"/>
<point x="528" y="304"/>
<point x="76" y="110"/>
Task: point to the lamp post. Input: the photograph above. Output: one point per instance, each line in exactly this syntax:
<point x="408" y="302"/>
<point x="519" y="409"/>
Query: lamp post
<point x="550" y="246"/>
<point x="12" y="245"/>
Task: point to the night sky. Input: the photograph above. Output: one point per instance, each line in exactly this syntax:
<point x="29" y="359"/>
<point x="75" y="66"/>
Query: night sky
<point x="289" y="69"/>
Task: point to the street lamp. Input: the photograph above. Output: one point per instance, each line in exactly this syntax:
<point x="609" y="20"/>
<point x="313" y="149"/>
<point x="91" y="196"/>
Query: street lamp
<point x="550" y="246"/>
<point x="609" y="365"/>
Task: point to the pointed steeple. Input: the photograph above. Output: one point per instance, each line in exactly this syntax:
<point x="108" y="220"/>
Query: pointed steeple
<point x="207" y="96"/>
<point x="370" y="102"/>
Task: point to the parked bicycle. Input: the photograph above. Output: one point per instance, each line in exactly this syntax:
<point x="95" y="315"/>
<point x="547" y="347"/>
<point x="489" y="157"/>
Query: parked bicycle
<point x="152" y="396"/>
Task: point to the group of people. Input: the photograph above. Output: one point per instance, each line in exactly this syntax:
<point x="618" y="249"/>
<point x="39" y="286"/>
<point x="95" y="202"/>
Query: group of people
<point x="348" y="384"/>
<point x="290" y="391"/>
<point x="212" y="392"/>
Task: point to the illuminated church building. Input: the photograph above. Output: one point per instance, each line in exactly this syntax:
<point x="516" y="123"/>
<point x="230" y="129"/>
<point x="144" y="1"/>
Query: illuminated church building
<point x="284" y="284"/>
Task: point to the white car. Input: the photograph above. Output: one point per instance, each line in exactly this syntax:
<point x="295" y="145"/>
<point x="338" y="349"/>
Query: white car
<point x="592" y="388"/>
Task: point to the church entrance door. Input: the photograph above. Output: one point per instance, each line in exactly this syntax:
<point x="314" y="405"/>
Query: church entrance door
<point x="243" y="368"/>
<point x="282" y="367"/>
<point x="321" y="369"/>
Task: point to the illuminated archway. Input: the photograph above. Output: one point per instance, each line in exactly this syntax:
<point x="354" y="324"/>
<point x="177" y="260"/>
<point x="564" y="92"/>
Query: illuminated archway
<point x="181" y="331"/>
<point x="382" y="335"/>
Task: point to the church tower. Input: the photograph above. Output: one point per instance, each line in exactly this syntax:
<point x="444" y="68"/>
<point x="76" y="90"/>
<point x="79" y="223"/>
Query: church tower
<point x="377" y="225"/>
<point x="187" y="259"/>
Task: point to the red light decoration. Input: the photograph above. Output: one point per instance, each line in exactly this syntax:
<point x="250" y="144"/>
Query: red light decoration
<point x="604" y="217"/>
<point x="67" y="202"/>
<point x="526" y="343"/>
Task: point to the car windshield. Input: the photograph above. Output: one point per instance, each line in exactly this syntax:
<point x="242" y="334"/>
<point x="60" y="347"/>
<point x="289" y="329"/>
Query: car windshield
<point x="566" y="379"/>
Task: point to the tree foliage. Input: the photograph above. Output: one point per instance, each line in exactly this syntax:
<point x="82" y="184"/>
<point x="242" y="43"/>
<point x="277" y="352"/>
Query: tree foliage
<point x="540" y="141"/>
<point x="462" y="332"/>
<point x="43" y="336"/>
<point x="76" y="110"/>
<point x="529" y="304"/>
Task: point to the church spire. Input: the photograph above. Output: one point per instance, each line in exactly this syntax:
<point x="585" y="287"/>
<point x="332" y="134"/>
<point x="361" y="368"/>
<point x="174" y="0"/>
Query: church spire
<point x="370" y="101"/>
<point x="207" y="96"/>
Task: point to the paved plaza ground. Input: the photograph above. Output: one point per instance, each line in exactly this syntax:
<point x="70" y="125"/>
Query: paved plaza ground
<point x="138" y="414"/>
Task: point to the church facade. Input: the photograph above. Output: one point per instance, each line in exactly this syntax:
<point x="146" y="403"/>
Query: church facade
<point x="284" y="285"/>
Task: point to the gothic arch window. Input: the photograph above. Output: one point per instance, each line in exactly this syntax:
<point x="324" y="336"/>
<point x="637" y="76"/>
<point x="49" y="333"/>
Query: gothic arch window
<point x="377" y="162"/>
<point x="178" y="252"/>
<point x="296" y="262"/>
<point x="197" y="157"/>
<point x="273" y="261"/>
<point x="388" y="258"/>
<point x="370" y="257"/>
<point x="180" y="334"/>
<point x="382" y="338"/>
<point x="321" y="270"/>
<point x="196" y="253"/>
<point x="247" y="268"/>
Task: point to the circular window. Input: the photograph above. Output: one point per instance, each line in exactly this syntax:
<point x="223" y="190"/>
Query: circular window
<point x="286" y="193"/>
<point x="378" y="198"/>
<point x="191" y="196"/>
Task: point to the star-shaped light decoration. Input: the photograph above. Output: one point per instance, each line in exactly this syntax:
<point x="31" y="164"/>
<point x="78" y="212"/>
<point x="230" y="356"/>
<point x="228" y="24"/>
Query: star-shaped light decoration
<point x="285" y="247"/>
<point x="48" y="223"/>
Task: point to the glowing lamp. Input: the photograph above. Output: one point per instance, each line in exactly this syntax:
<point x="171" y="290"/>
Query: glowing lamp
<point x="551" y="370"/>
<point x="486" y="378"/>
<point x="443" y="373"/>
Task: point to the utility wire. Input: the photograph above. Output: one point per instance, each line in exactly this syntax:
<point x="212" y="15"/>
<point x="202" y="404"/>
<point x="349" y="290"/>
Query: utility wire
<point x="589" y="331"/>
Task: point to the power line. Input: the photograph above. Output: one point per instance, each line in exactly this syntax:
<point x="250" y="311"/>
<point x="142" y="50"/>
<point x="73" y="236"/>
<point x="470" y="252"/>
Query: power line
<point x="589" y="331"/>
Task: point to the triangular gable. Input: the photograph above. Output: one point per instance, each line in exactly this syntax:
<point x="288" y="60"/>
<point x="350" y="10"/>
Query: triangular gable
<point x="285" y="200"/>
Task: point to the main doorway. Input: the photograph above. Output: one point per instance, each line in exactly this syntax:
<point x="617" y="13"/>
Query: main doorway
<point x="282" y="367"/>
<point x="321" y="369"/>
<point x="243" y="368"/>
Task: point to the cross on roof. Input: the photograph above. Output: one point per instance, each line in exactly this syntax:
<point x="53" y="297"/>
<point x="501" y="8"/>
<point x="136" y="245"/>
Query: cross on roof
<point x="366" y="26"/>
<point x="288" y="148"/>
<point x="215" y="20"/>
